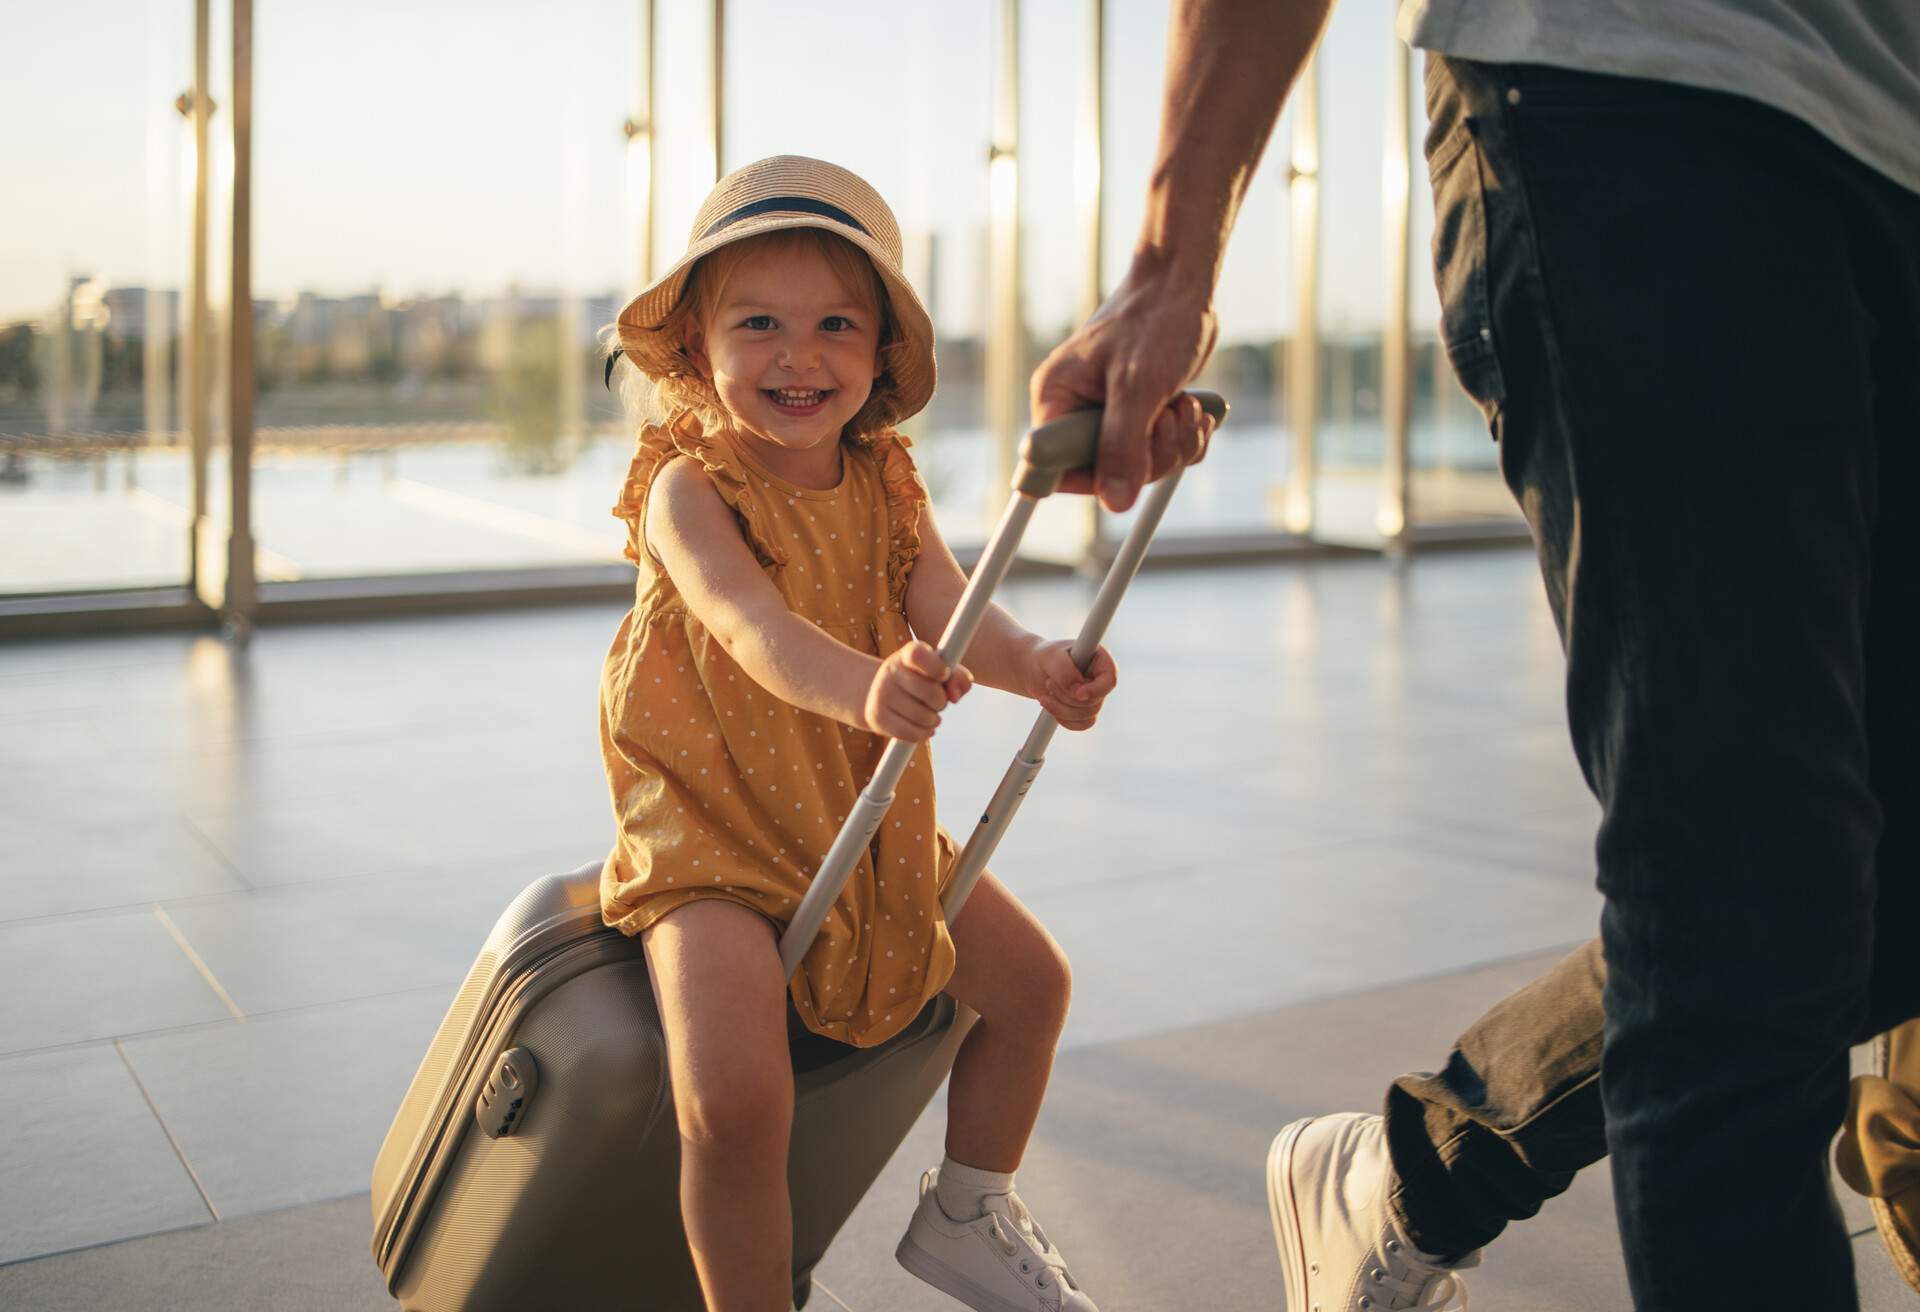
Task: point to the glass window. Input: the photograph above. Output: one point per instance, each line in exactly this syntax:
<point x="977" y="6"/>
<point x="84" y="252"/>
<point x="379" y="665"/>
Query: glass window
<point x="902" y="95"/>
<point x="95" y="485"/>
<point x="1238" y="487"/>
<point x="1353" y="61"/>
<point x="684" y="166"/>
<point x="445" y="213"/>
<point x="1058" y="172"/>
<point x="442" y="221"/>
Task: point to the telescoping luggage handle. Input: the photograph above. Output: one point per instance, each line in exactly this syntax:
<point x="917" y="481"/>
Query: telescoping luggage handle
<point x="1046" y="454"/>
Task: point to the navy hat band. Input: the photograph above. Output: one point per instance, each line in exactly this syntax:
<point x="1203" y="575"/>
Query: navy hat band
<point x="787" y="205"/>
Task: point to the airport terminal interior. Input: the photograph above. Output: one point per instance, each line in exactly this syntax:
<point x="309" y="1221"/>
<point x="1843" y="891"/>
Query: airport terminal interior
<point x="307" y="569"/>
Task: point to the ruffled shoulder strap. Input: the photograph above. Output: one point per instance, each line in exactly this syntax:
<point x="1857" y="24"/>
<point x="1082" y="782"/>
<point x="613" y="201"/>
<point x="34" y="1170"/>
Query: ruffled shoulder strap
<point x="906" y="495"/>
<point x="683" y="435"/>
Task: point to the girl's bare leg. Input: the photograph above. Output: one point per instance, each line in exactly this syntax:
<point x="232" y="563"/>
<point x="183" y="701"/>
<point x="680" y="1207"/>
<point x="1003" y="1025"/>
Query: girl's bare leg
<point x="716" y="973"/>
<point x="1014" y="975"/>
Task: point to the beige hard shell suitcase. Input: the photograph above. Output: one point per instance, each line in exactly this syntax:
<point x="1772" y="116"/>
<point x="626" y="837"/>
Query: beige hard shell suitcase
<point x="564" y="1205"/>
<point x="534" y="1162"/>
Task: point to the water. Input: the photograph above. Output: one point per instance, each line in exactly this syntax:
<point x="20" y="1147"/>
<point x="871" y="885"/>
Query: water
<point x="121" y="520"/>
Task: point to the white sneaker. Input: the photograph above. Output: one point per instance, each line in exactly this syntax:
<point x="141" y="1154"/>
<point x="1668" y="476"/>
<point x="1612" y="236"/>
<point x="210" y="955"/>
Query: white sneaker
<point x="999" y="1262"/>
<point x="1340" y="1250"/>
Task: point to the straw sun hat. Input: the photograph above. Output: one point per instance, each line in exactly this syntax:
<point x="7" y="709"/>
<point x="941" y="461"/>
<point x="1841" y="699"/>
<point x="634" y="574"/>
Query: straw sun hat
<point x="789" y="191"/>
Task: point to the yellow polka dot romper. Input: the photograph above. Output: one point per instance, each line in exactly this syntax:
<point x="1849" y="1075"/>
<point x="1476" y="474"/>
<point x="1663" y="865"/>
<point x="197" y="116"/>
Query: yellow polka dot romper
<point x="722" y="790"/>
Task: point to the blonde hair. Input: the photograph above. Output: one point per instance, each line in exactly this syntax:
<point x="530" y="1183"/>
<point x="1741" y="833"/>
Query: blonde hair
<point x="657" y="397"/>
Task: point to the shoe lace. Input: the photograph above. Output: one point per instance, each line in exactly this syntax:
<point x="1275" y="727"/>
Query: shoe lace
<point x="1028" y="1235"/>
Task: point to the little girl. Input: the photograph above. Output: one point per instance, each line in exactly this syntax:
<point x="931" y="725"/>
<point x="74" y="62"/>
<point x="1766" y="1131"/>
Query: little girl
<point x="787" y="562"/>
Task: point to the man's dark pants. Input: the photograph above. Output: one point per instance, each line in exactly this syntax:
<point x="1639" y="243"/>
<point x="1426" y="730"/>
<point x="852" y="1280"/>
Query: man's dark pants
<point x="1694" y="325"/>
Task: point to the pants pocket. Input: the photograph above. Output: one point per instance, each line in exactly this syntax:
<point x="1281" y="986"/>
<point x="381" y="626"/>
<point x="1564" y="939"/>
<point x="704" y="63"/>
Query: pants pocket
<point x="1458" y="172"/>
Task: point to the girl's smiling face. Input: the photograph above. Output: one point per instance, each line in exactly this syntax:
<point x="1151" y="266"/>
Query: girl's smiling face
<point x="793" y="354"/>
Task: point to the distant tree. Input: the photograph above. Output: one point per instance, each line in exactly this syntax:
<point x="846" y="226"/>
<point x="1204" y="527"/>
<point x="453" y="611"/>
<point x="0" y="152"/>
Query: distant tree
<point x="272" y="353"/>
<point x="526" y="400"/>
<point x="384" y="364"/>
<point x="123" y="363"/>
<point x="19" y="367"/>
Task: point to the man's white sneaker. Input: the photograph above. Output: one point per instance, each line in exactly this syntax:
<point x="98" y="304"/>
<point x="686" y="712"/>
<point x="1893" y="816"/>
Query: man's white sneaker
<point x="1340" y="1250"/>
<point x="999" y="1262"/>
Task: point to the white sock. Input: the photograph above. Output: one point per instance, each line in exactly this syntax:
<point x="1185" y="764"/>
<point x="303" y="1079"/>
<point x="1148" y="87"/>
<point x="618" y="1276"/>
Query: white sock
<point x="1431" y="1259"/>
<point x="962" y="1190"/>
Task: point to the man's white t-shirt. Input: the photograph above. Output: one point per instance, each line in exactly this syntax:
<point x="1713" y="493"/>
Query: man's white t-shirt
<point x="1850" y="68"/>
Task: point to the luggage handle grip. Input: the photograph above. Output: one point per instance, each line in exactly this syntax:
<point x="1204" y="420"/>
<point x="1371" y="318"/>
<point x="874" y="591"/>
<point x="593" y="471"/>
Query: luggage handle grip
<point x="1073" y="442"/>
<point x="1066" y="443"/>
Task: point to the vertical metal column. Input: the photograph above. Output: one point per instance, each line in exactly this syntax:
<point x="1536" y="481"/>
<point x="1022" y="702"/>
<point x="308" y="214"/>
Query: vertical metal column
<point x="1303" y="355"/>
<point x="239" y="595"/>
<point x="1394" y="517"/>
<point x="196" y="361"/>
<point x="1090" y="168"/>
<point x="1005" y="333"/>
<point x="1090" y="159"/>
<point x="640" y="149"/>
<point x="719" y="85"/>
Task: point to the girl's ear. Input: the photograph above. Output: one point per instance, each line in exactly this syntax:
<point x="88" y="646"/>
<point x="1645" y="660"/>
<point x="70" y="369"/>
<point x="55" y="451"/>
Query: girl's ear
<point x="697" y="352"/>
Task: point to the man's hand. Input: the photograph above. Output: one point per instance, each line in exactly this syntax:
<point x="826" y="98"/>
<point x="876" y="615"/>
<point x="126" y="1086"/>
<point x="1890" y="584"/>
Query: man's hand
<point x="1138" y="349"/>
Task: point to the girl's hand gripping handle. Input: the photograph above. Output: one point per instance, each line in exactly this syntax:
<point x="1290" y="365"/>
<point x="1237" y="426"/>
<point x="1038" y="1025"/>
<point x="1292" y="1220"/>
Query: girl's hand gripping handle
<point x="871" y="806"/>
<point x="910" y="690"/>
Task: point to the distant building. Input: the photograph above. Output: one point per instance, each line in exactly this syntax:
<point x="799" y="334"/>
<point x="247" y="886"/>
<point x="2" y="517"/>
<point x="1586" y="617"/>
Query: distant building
<point x="430" y="335"/>
<point x="136" y="314"/>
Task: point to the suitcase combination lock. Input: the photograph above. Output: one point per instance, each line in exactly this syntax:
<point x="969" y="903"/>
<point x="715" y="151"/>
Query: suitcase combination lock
<point x="502" y="1104"/>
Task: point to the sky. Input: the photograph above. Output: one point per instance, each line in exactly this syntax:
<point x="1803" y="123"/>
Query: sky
<point x="428" y="146"/>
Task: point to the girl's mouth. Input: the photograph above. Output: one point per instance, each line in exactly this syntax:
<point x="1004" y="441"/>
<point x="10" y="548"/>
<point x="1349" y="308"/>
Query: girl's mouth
<point x="797" y="400"/>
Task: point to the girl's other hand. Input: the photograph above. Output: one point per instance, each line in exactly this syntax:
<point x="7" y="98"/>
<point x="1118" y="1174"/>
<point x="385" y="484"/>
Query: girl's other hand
<point x="910" y="690"/>
<point x="1067" y="695"/>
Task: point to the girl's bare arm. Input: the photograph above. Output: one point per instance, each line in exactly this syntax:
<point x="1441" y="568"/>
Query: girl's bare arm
<point x="1002" y="651"/>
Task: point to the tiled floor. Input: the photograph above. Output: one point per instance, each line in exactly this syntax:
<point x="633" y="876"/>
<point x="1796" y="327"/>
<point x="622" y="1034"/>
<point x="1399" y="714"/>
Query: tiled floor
<point x="239" y="886"/>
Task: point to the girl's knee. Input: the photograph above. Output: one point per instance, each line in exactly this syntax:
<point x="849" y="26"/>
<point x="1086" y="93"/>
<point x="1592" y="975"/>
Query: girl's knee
<point x="741" y="1112"/>
<point x="1011" y="971"/>
<point x="1043" y="986"/>
<point x="1055" y="976"/>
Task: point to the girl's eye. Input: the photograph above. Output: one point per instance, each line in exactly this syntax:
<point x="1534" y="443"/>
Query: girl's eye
<point x="758" y="323"/>
<point x="837" y="323"/>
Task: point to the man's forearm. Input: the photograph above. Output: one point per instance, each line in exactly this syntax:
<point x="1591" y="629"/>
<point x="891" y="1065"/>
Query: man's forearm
<point x="1230" y="65"/>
